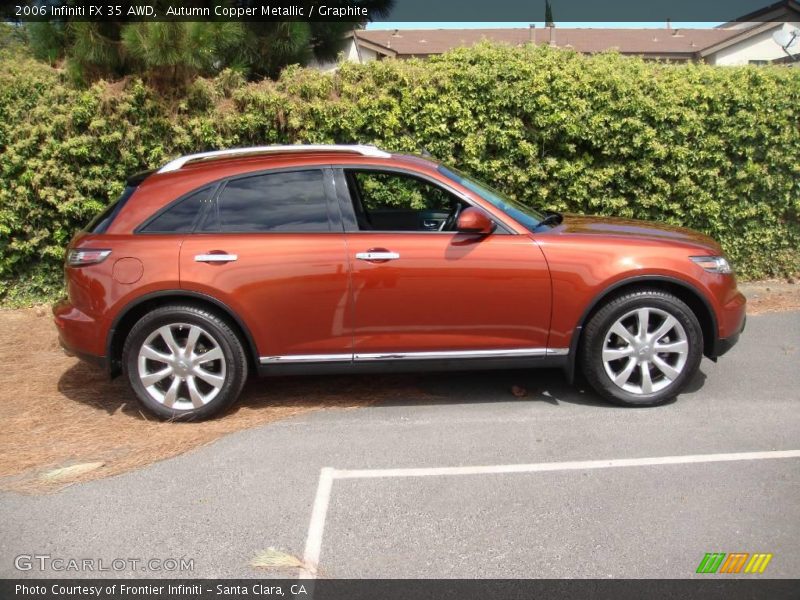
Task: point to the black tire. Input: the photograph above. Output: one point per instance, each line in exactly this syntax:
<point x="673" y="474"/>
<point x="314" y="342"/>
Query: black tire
<point x="599" y="327"/>
<point x="216" y="334"/>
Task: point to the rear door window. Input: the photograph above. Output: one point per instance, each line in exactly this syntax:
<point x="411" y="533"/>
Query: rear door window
<point x="289" y="202"/>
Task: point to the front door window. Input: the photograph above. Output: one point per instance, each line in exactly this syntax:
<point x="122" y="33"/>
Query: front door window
<point x="386" y="201"/>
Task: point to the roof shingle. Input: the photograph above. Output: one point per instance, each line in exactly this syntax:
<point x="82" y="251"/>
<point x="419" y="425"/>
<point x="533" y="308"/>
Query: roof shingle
<point x="408" y="42"/>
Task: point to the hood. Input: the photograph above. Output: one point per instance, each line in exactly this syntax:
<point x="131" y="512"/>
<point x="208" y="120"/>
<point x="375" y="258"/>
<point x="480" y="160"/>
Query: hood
<point x="650" y="231"/>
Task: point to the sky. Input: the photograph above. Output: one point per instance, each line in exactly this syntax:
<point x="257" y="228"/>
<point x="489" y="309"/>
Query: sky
<point x="474" y="25"/>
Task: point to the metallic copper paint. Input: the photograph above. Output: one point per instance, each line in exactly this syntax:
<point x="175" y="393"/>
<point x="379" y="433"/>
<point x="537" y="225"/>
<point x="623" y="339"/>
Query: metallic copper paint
<point x="449" y="292"/>
<point x="95" y="297"/>
<point x="473" y="220"/>
<point x="292" y="290"/>
<point x="307" y="294"/>
<point x="588" y="255"/>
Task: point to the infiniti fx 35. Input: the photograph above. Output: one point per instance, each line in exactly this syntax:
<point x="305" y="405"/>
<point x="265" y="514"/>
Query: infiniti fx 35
<point x="320" y="259"/>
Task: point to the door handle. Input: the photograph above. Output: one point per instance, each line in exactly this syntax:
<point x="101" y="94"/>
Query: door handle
<point x="377" y="255"/>
<point x="215" y="258"/>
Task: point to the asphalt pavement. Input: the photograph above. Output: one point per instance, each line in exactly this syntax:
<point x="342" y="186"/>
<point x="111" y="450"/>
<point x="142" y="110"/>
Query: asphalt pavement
<point x="223" y="504"/>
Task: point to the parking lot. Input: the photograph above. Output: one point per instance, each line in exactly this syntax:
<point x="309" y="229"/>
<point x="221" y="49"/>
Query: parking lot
<point x="462" y="478"/>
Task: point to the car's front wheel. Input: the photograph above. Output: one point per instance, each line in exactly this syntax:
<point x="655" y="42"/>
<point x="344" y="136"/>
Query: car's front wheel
<point x="642" y="348"/>
<point x="184" y="362"/>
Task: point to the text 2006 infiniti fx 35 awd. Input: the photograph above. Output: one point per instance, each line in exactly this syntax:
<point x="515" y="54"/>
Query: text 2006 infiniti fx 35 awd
<point x="319" y="259"/>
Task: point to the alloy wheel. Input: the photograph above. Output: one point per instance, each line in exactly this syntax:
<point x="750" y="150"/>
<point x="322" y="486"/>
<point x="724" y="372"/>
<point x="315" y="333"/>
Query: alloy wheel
<point x="645" y="350"/>
<point x="181" y="366"/>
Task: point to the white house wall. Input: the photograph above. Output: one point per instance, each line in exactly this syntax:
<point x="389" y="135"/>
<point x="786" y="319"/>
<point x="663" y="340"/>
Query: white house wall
<point x="349" y="54"/>
<point x="759" y="47"/>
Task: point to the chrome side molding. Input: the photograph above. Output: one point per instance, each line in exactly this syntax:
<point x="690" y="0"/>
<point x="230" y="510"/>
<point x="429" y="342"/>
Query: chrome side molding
<point x="520" y="352"/>
<point x="302" y="358"/>
<point x="435" y="355"/>
<point x="557" y="351"/>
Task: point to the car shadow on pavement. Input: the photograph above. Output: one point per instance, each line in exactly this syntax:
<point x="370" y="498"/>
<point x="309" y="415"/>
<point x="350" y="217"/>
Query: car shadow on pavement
<point x="511" y="385"/>
<point x="87" y="385"/>
<point x="514" y="385"/>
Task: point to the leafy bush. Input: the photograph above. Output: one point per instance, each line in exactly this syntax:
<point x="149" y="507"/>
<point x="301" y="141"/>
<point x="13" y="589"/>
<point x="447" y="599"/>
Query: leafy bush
<point x="716" y="149"/>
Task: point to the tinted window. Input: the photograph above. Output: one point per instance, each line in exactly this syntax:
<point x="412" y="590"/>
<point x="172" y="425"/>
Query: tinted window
<point x="101" y="222"/>
<point x="395" y="190"/>
<point x="385" y="201"/>
<point x="181" y="217"/>
<point x="290" y="202"/>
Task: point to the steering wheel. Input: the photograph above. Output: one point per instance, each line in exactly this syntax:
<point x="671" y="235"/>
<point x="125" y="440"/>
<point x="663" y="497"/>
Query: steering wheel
<point x="449" y="223"/>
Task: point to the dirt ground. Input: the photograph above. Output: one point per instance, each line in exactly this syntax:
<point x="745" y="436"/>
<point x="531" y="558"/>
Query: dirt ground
<point x="771" y="295"/>
<point x="64" y="421"/>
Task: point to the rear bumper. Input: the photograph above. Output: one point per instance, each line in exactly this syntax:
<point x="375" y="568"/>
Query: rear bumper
<point x="79" y="334"/>
<point x="98" y="361"/>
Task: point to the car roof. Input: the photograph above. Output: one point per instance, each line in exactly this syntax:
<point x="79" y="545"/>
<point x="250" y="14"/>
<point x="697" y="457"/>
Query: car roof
<point x="159" y="188"/>
<point x="359" y="149"/>
<point x="228" y="165"/>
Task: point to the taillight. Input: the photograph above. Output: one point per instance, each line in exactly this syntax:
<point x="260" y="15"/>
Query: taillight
<point x="81" y="257"/>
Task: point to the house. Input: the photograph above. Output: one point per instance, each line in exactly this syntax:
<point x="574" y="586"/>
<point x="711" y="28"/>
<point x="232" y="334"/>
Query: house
<point x="752" y="42"/>
<point x="748" y="40"/>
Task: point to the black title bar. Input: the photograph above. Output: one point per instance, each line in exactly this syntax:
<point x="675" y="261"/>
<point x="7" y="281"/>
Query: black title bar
<point x="711" y="588"/>
<point x="529" y="11"/>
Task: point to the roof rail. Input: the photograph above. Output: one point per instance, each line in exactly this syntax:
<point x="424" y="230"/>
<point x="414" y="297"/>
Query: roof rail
<point x="361" y="149"/>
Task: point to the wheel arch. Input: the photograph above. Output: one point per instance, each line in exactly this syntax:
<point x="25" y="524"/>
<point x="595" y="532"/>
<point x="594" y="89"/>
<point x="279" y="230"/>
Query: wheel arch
<point x="133" y="311"/>
<point x="688" y="293"/>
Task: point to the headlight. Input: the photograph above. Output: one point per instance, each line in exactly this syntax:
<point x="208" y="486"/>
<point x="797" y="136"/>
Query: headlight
<point x="713" y="264"/>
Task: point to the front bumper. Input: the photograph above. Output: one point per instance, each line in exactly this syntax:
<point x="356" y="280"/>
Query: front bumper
<point x="731" y="315"/>
<point x="725" y="344"/>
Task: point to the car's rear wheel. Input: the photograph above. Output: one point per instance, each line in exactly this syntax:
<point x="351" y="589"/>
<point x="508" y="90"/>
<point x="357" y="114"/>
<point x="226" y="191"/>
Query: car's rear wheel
<point x="184" y="362"/>
<point x="642" y="348"/>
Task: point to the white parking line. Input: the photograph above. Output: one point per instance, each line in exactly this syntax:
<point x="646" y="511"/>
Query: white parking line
<point x="328" y="475"/>
<point x="317" y="525"/>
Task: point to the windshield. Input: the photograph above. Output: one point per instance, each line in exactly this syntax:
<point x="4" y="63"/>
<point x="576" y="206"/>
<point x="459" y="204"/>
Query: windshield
<point x="525" y="215"/>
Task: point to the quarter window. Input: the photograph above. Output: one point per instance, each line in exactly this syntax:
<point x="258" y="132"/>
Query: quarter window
<point x="181" y="216"/>
<point x="275" y="202"/>
<point x="101" y="222"/>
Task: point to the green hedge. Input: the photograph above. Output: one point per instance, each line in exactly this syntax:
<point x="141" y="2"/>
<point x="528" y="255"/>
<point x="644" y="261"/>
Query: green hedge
<point x="713" y="148"/>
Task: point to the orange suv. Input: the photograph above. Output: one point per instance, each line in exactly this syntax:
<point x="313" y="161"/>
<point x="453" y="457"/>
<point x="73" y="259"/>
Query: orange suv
<point x="320" y="259"/>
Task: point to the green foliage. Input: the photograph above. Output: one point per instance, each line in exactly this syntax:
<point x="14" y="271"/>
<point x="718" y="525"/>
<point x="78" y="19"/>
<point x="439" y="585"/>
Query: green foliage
<point x="45" y="39"/>
<point x="168" y="55"/>
<point x="548" y="14"/>
<point x="171" y="53"/>
<point x="13" y="38"/>
<point x="715" y="149"/>
<point x="386" y="190"/>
